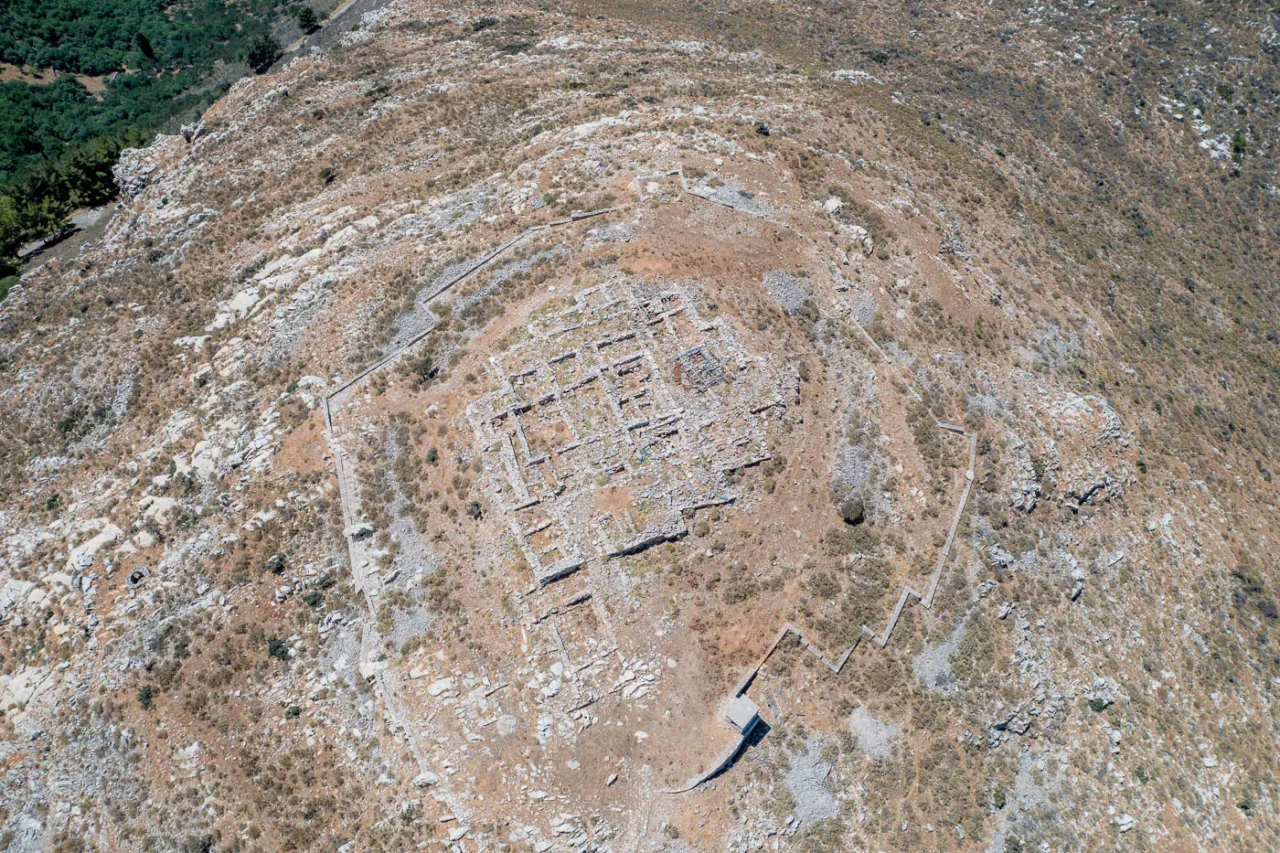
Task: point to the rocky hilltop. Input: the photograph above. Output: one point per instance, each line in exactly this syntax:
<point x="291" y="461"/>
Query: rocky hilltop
<point x="617" y="428"/>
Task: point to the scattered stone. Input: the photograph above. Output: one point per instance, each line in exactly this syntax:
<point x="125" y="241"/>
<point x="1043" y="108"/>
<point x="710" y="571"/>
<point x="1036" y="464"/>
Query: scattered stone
<point x="789" y="289"/>
<point x="440" y="685"/>
<point x="806" y="780"/>
<point x="426" y="779"/>
<point x="932" y="666"/>
<point x="875" y="738"/>
<point x="360" y="530"/>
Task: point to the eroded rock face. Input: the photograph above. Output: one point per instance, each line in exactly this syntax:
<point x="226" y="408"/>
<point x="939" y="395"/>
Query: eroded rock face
<point x="133" y="172"/>
<point x="1026" y="489"/>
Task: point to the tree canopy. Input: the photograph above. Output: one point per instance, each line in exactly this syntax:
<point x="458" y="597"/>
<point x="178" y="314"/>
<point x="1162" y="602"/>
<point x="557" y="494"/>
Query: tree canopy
<point x="100" y="36"/>
<point x="58" y="140"/>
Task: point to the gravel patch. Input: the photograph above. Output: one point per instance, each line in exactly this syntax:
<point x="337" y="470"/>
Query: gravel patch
<point x="614" y="232"/>
<point x="409" y="623"/>
<point x="874" y="738"/>
<point x="732" y="194"/>
<point x="506" y="272"/>
<point x="790" y="290"/>
<point x="933" y="665"/>
<point x="863" y="304"/>
<point x="851" y="469"/>
<point x="806" y="780"/>
<point x="985" y="404"/>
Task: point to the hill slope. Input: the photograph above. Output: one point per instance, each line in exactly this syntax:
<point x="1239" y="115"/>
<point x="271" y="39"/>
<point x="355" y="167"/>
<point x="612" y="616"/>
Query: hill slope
<point x="444" y="434"/>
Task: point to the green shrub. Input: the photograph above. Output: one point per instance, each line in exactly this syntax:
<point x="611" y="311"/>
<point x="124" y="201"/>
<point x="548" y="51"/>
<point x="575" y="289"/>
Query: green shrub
<point x="823" y="585"/>
<point x="853" y="510"/>
<point x="424" y="370"/>
<point x="278" y="648"/>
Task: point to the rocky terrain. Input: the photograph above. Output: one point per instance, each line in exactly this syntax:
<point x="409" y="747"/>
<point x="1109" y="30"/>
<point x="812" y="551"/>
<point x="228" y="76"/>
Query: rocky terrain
<point x="456" y="428"/>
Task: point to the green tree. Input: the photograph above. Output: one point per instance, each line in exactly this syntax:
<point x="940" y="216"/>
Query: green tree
<point x="262" y="53"/>
<point x="278" y="648"/>
<point x="43" y="213"/>
<point x="1239" y="147"/>
<point x="86" y="171"/>
<point x="10" y="230"/>
<point x="58" y="141"/>
<point x="144" y="45"/>
<point x="307" y="20"/>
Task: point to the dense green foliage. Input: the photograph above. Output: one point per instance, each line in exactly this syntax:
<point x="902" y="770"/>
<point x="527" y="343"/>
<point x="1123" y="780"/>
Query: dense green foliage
<point x="36" y="203"/>
<point x="39" y="123"/>
<point x="100" y="36"/>
<point x="59" y="140"/>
